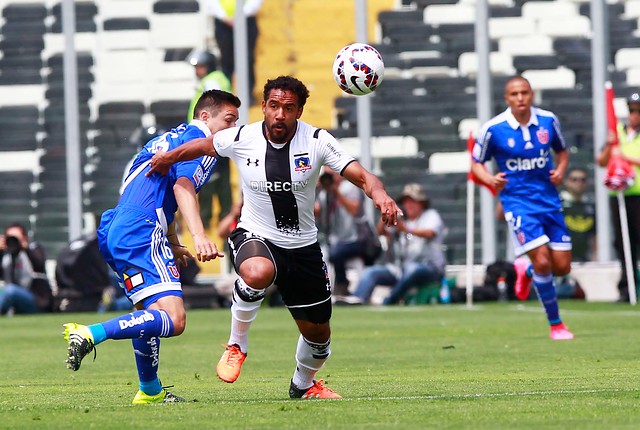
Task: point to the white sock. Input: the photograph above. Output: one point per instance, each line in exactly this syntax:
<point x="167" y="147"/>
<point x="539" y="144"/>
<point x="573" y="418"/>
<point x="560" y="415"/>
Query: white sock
<point x="310" y="357"/>
<point x="246" y="302"/>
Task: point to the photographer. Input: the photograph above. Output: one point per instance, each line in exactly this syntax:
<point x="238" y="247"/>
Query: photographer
<point x="26" y="288"/>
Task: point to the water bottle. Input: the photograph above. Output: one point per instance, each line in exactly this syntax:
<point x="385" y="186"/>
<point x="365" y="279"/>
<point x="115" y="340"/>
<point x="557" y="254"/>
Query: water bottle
<point x="445" y="294"/>
<point x="502" y="289"/>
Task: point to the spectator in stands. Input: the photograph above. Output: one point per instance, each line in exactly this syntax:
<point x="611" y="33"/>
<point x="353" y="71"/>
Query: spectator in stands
<point x="521" y="139"/>
<point x="137" y="238"/>
<point x="223" y="12"/>
<point x="414" y="254"/>
<point x="26" y="287"/>
<point x="210" y="78"/>
<point x="579" y="214"/>
<point x="339" y="209"/>
<point x="628" y="149"/>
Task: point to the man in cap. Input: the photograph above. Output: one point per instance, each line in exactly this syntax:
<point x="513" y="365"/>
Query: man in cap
<point x="415" y="252"/>
<point x="629" y="150"/>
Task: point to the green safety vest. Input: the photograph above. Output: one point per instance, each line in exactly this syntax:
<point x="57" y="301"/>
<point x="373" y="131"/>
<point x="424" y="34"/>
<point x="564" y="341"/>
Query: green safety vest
<point x="630" y="148"/>
<point x="214" y="80"/>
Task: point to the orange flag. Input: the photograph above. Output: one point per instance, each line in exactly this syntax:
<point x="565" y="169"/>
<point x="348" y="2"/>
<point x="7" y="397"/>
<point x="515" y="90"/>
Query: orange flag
<point x="620" y="173"/>
<point x="470" y="176"/>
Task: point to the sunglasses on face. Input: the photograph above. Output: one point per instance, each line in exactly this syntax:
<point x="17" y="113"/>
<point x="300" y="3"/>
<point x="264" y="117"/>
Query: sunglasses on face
<point x="577" y="179"/>
<point x="634" y="110"/>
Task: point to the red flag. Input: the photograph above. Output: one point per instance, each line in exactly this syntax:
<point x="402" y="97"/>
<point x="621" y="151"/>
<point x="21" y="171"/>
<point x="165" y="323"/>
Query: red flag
<point x="470" y="176"/>
<point x="620" y="173"/>
<point x="612" y="121"/>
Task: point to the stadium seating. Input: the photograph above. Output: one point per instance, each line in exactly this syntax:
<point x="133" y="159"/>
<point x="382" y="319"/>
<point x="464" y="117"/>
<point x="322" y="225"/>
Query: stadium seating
<point x="546" y="41"/>
<point x="129" y="69"/>
<point x="126" y="58"/>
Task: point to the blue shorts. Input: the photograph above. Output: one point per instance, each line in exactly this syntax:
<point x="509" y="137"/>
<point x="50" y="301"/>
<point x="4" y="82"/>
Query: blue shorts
<point x="530" y="231"/>
<point x="133" y="242"/>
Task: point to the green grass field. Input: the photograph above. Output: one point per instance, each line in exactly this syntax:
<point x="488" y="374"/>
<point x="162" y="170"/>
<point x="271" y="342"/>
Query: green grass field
<point x="419" y="367"/>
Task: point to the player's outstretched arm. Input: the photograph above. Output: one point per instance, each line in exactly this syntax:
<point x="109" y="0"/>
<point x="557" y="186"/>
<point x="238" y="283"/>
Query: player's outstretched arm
<point x="374" y="189"/>
<point x="187" y="203"/>
<point x="162" y="161"/>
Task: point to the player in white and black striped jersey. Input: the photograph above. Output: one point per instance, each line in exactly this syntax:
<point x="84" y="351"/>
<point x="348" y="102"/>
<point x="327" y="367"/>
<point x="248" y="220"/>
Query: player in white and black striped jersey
<point x="279" y="160"/>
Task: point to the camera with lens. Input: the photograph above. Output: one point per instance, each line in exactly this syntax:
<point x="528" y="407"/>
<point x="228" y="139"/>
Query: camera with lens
<point x="13" y="245"/>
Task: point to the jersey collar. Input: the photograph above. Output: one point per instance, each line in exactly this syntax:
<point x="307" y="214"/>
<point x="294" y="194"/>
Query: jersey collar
<point x="202" y="126"/>
<point x="513" y="122"/>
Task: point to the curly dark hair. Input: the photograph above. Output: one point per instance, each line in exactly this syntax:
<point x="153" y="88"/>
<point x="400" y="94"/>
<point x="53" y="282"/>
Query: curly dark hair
<point x="287" y="83"/>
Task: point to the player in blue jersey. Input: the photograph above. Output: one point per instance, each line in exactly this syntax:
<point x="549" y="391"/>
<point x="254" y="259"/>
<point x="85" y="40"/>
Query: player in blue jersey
<point x="138" y="239"/>
<point x="521" y="140"/>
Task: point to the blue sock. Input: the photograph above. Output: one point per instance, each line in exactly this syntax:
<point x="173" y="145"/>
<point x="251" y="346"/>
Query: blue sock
<point x="529" y="271"/>
<point x="137" y="324"/>
<point x="98" y="332"/>
<point x="147" y="353"/>
<point x="547" y="295"/>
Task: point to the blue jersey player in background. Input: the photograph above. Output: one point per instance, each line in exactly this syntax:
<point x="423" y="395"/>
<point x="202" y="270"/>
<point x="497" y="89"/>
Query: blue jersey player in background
<point x="521" y="140"/>
<point x="138" y="240"/>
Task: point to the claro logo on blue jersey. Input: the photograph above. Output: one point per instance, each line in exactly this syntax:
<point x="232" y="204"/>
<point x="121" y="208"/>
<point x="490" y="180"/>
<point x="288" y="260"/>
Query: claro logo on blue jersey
<point x="146" y="316"/>
<point x="520" y="164"/>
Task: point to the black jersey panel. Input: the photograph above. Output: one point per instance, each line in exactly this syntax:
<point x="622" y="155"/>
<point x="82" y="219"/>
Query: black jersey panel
<point x="278" y="175"/>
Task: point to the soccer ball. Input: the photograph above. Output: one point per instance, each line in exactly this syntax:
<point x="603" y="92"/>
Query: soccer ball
<point x="358" y="69"/>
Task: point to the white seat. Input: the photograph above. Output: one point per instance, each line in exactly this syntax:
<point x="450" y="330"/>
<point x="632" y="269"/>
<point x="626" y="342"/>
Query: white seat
<point x="83" y="42"/>
<point x="169" y="90"/>
<point x="500" y="63"/>
<point x="124" y="8"/>
<point x="578" y="26"/>
<point x="162" y="70"/>
<point x="437" y="14"/>
<point x="550" y="79"/>
<point x="632" y="9"/>
<point x="511" y="26"/>
<point x="633" y="76"/>
<point x="16" y="161"/>
<point x="18" y="95"/>
<point x="164" y="35"/>
<point x="543" y="9"/>
<point x="450" y="162"/>
<point x="627" y="58"/>
<point x="124" y="92"/>
<point x="122" y="66"/>
<point x="383" y="146"/>
<point x="526" y="45"/>
<point x="468" y="125"/>
<point x="124" y="39"/>
<point x="505" y="3"/>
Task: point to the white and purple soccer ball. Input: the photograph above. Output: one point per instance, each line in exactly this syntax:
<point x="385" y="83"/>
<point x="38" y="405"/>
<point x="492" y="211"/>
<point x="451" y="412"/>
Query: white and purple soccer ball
<point x="358" y="69"/>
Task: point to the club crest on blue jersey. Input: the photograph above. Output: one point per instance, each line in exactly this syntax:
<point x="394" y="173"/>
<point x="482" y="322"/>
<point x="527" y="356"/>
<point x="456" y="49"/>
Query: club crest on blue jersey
<point x="511" y="142"/>
<point x="198" y="176"/>
<point x="132" y="279"/>
<point x="543" y="135"/>
<point x="174" y="271"/>
<point x="302" y="164"/>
